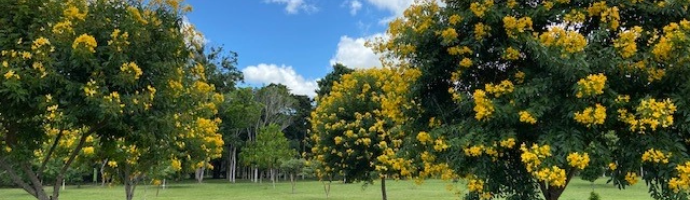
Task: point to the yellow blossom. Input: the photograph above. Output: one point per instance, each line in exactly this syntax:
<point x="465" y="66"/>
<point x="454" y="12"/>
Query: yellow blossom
<point x="591" y="116"/>
<point x="511" y="54"/>
<point x="592" y="85"/>
<point x="85" y="41"/>
<point x="466" y="62"/>
<point x="613" y="166"/>
<point x="481" y="31"/>
<point x="526" y="117"/>
<point x="508" y="143"/>
<point x="578" y="160"/>
<point x="631" y="178"/>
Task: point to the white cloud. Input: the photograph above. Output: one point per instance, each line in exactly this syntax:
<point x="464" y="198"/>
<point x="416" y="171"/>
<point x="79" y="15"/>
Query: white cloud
<point x="294" y="6"/>
<point x="272" y="73"/>
<point x="397" y="7"/>
<point x="352" y="53"/>
<point x="355" y="5"/>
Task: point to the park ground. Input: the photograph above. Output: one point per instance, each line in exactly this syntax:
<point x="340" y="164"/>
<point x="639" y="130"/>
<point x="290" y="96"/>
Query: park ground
<point x="313" y="190"/>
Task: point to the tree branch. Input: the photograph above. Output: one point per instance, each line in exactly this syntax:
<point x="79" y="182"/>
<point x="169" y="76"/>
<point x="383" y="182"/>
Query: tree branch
<point x="50" y="152"/>
<point x="16" y="179"/>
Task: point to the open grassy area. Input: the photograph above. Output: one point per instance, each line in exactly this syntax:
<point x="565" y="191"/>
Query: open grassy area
<point x="311" y="190"/>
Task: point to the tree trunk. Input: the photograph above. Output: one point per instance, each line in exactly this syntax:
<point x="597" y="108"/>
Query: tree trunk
<point x="256" y="174"/>
<point x="199" y="174"/>
<point x="327" y="188"/>
<point x="129" y="189"/>
<point x="273" y="177"/>
<point x="553" y="193"/>
<point x="103" y="164"/>
<point x="383" y="188"/>
<point x="292" y="182"/>
<point x="234" y="164"/>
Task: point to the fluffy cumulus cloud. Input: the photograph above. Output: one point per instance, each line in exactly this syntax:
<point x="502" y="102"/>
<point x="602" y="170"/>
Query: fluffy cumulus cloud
<point x="355" y="5"/>
<point x="295" y="6"/>
<point x="352" y="53"/>
<point x="272" y="73"/>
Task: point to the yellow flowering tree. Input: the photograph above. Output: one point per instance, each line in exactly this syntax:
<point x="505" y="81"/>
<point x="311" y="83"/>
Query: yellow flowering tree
<point x="101" y="79"/>
<point x="534" y="92"/>
<point x="358" y="127"/>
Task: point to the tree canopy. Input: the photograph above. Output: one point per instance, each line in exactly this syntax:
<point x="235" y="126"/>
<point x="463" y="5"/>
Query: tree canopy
<point x="534" y="92"/>
<point x="129" y="87"/>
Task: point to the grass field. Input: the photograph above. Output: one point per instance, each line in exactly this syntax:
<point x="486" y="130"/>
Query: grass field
<point x="311" y="190"/>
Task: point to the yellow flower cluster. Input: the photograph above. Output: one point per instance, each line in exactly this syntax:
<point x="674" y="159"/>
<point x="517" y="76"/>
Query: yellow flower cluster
<point x="454" y="19"/>
<point x="625" y="43"/>
<point x="11" y="74"/>
<point x="474" y="151"/>
<point x="505" y="87"/>
<point x="526" y="117"/>
<point x="574" y="16"/>
<point x="672" y="34"/>
<point x="508" y="143"/>
<point x="72" y="12"/>
<point x="682" y="180"/>
<point x="63" y="27"/>
<point x="569" y="41"/>
<point x="631" y="178"/>
<point x="511" y="54"/>
<point x="39" y="42"/>
<point x="655" y="74"/>
<point x="456" y="50"/>
<point x="423" y="137"/>
<point x="652" y="114"/>
<point x="466" y="62"/>
<point x="514" y="25"/>
<point x="118" y="39"/>
<point x="483" y="106"/>
<point x="655" y="156"/>
<point x="449" y="35"/>
<point x="475" y="185"/>
<point x="91" y="88"/>
<point x="591" y="116"/>
<point x="86" y="41"/>
<point x="578" y="160"/>
<point x="612" y="17"/>
<point x="131" y="68"/>
<point x="622" y="99"/>
<point x="533" y="156"/>
<point x="176" y="164"/>
<point x="547" y="5"/>
<point x="137" y="15"/>
<point x="481" y="30"/>
<point x="597" y="8"/>
<point x="520" y="77"/>
<point x="88" y="151"/>
<point x="592" y="85"/>
<point x="554" y="176"/>
<point x="613" y="166"/>
<point x="479" y="9"/>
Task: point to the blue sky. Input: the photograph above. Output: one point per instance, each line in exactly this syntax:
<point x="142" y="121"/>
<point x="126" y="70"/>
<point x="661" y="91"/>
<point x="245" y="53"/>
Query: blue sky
<point x="294" y="42"/>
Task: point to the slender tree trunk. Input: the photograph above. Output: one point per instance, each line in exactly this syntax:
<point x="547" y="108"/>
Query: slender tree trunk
<point x="103" y="164"/>
<point x="199" y="174"/>
<point x="256" y="174"/>
<point x="273" y="177"/>
<point x="292" y="181"/>
<point x="234" y="164"/>
<point x="383" y="188"/>
<point x="327" y="188"/>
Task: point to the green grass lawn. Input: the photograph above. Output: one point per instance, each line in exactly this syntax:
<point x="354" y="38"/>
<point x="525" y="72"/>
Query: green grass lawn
<point x="311" y="190"/>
